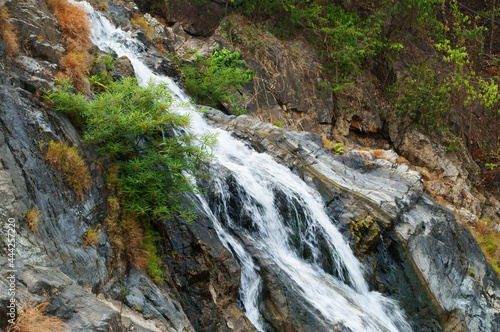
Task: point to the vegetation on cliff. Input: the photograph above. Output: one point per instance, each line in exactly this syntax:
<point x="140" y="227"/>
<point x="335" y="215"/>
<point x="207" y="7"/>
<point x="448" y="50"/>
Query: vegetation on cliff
<point x="215" y="80"/>
<point x="154" y="159"/>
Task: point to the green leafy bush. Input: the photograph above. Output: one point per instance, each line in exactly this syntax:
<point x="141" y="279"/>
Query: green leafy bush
<point x="340" y="36"/>
<point x="216" y="79"/>
<point x="130" y="125"/>
<point x="422" y="97"/>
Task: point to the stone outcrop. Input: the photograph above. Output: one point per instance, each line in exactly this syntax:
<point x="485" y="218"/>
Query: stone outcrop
<point x="425" y="259"/>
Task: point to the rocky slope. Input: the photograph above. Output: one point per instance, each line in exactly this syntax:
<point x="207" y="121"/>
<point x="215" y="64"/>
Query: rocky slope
<point x="416" y="251"/>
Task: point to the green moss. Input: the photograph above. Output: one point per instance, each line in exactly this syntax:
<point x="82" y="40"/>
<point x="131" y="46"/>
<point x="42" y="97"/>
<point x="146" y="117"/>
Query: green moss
<point x="153" y="261"/>
<point x="367" y="234"/>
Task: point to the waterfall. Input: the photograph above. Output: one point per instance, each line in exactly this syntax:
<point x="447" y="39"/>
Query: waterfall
<point x="263" y="186"/>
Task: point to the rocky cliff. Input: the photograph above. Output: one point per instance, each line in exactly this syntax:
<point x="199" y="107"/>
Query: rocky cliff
<point x="413" y="249"/>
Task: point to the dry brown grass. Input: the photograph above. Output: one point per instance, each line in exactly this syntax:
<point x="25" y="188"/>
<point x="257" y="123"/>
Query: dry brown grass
<point x="125" y="232"/>
<point x="67" y="160"/>
<point x="30" y="318"/>
<point x="75" y="28"/>
<point x="75" y="66"/>
<point x="8" y="33"/>
<point x="32" y="218"/>
<point x="403" y="160"/>
<point x="378" y="154"/>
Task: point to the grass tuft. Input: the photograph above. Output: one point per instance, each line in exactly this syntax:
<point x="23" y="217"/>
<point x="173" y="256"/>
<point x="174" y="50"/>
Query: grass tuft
<point x="32" y="218"/>
<point x="143" y="23"/>
<point x="90" y="238"/>
<point x="489" y="241"/>
<point x="76" y="31"/>
<point x="335" y="147"/>
<point x="8" y="33"/>
<point x="67" y="160"/>
<point x="31" y="317"/>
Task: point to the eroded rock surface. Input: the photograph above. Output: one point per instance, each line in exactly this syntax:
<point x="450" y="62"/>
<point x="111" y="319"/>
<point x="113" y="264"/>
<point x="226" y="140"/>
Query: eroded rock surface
<point x="426" y="260"/>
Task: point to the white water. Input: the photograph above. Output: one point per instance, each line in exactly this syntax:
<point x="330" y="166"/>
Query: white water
<point x="347" y="301"/>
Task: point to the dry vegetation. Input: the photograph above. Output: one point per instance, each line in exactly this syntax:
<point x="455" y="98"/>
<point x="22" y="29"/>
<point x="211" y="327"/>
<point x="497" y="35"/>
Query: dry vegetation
<point x="124" y="230"/>
<point x="489" y="241"/>
<point x="67" y="160"/>
<point x="30" y="318"/>
<point x="75" y="28"/>
<point x="143" y="23"/>
<point x="90" y="238"/>
<point x="378" y="154"/>
<point x="8" y="33"/>
<point x="32" y="218"/>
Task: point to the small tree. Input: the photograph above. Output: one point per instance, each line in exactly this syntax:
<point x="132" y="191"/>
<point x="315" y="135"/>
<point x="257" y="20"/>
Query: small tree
<point x="134" y="126"/>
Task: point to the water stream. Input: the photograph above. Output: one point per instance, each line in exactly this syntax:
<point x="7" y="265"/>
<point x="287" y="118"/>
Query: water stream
<point x="342" y="297"/>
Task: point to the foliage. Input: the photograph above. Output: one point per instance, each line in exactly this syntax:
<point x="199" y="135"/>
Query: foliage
<point x="216" y="79"/>
<point x="278" y="123"/>
<point x="467" y="83"/>
<point x="75" y="29"/>
<point x="131" y="124"/>
<point x="31" y="317"/>
<point x="421" y="97"/>
<point x="8" y="33"/>
<point x="90" y="238"/>
<point x="143" y="23"/>
<point x="67" y="160"/>
<point x="367" y="234"/>
<point x="32" y="218"/>
<point x="340" y="36"/>
<point x="153" y="261"/>
<point x="338" y="148"/>
<point x="489" y="241"/>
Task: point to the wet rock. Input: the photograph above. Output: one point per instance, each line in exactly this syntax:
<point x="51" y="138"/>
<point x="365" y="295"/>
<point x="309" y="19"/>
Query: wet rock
<point x="3" y="50"/>
<point x="122" y="68"/>
<point x="205" y="276"/>
<point x="83" y="279"/>
<point x="425" y="259"/>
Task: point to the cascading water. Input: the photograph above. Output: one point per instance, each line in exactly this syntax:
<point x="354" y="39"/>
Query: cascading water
<point x="263" y="186"/>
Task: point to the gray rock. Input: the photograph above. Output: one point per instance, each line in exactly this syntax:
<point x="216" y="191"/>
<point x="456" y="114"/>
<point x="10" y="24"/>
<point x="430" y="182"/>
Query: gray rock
<point x="427" y="260"/>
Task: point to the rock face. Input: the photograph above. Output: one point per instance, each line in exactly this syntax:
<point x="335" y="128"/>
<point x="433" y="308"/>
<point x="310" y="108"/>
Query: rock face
<point x="425" y="259"/>
<point x="37" y="28"/>
<point x="55" y="259"/>
<point x="198" y="18"/>
<point x="415" y="252"/>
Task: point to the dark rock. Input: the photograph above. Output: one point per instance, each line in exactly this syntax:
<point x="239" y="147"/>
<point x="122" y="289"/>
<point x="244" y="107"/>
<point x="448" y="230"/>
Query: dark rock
<point x="205" y="276"/>
<point x="44" y="50"/>
<point x="424" y="258"/>
<point x="118" y="13"/>
<point x="36" y="24"/>
<point x="54" y="259"/>
<point x="197" y="18"/>
<point x="3" y="50"/>
<point x="122" y="68"/>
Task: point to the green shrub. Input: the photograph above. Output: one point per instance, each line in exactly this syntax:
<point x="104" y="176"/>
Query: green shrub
<point x="153" y="261"/>
<point x="216" y="79"/>
<point x="341" y="37"/>
<point x="421" y="97"/>
<point x="129" y="124"/>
